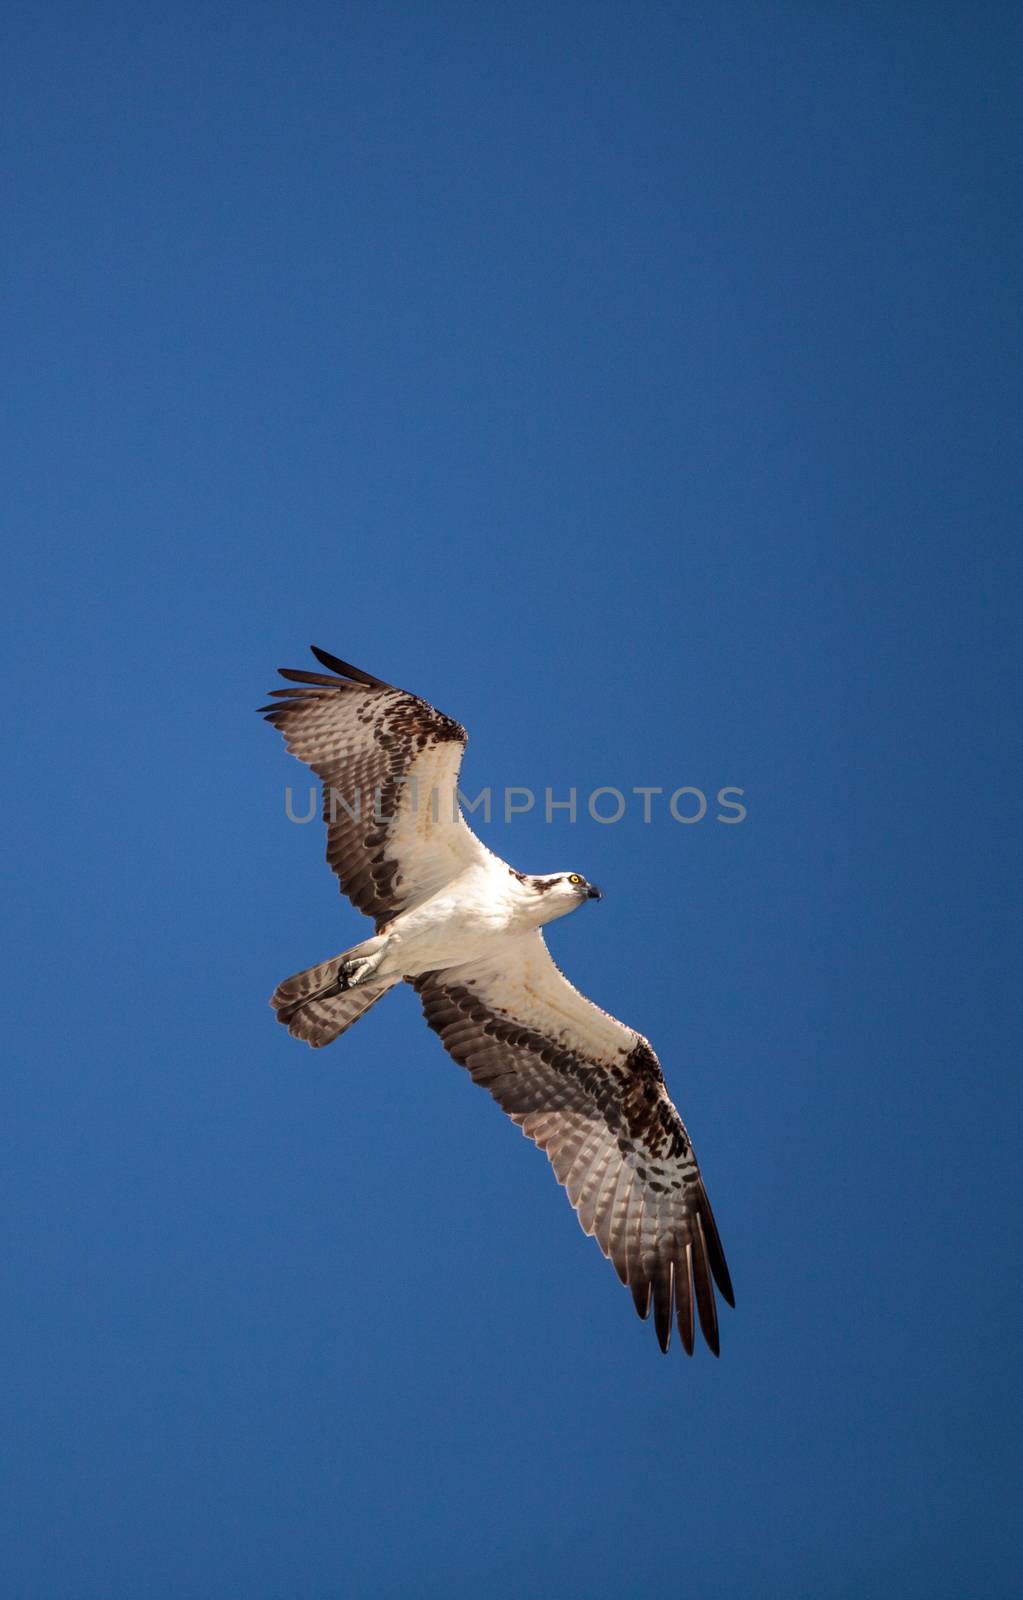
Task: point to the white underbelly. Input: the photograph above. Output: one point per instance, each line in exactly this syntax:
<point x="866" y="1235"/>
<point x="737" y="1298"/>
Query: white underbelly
<point x="445" y="932"/>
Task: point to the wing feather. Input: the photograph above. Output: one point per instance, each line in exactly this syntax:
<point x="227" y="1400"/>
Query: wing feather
<point x="663" y="1306"/>
<point x="684" y="1299"/>
<point x="592" y="1188"/>
<point x="705" y="1307"/>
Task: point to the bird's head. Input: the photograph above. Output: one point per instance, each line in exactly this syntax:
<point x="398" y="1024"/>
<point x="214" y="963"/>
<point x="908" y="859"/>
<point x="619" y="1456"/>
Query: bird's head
<point x="562" y="892"/>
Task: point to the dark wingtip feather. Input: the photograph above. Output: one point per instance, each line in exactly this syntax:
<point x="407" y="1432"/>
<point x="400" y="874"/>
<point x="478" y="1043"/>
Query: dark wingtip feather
<point x="684" y="1301"/>
<point x="344" y="669"/>
<point x="706" y="1309"/>
<point x="299" y="675"/>
<point x="641" y="1298"/>
<point x="296" y="698"/>
<point x="715" y="1252"/>
<point x="663" y="1307"/>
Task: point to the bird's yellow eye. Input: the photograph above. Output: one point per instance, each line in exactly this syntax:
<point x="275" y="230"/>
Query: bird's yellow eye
<point x="574" y="877"/>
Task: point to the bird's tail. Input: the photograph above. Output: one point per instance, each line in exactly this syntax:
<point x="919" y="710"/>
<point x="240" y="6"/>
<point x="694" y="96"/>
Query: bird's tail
<point x="320" y="1003"/>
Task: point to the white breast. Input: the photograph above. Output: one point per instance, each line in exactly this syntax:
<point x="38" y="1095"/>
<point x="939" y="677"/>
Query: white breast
<point x="458" y="923"/>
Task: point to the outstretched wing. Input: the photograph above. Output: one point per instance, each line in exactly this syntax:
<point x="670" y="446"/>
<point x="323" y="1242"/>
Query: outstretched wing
<point x="589" y="1091"/>
<point x="389" y="765"/>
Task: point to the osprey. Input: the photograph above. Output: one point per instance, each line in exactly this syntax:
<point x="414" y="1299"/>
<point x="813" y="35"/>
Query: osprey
<point x="464" y="929"/>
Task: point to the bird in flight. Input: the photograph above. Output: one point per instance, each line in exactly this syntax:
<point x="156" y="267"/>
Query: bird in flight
<point x="465" y="930"/>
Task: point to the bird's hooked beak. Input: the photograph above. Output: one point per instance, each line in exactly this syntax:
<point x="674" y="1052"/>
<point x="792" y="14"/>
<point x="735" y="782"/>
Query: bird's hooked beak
<point x="592" y="892"/>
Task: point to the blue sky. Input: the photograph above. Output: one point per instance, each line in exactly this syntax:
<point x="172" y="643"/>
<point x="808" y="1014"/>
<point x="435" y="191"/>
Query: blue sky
<point x="640" y="384"/>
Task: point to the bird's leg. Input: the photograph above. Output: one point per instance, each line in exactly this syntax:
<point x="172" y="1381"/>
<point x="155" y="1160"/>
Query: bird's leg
<point x="357" y="969"/>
